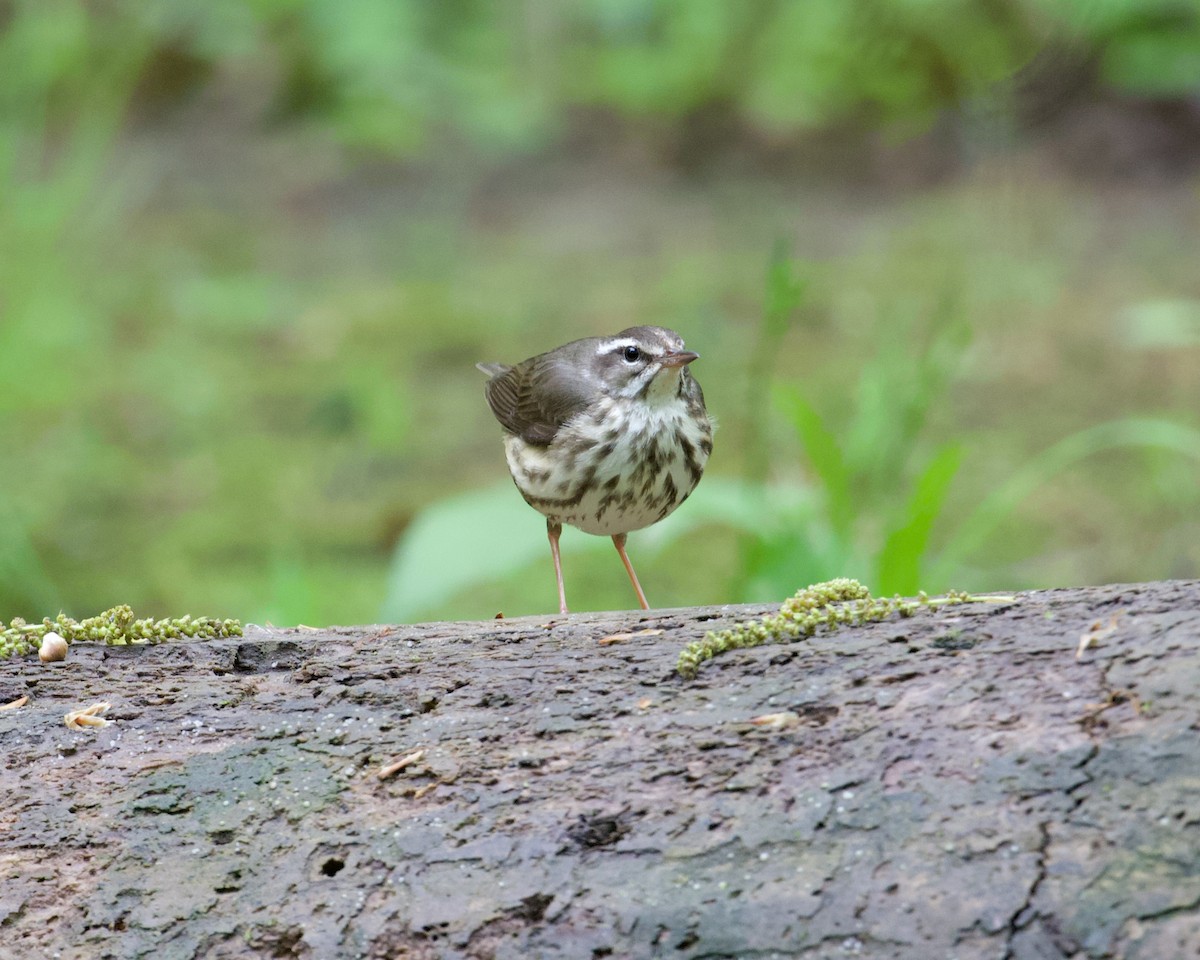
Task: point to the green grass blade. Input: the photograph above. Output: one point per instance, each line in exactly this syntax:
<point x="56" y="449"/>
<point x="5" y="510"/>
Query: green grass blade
<point x="998" y="506"/>
<point x="786" y="290"/>
<point x="905" y="544"/>
<point x="825" y="455"/>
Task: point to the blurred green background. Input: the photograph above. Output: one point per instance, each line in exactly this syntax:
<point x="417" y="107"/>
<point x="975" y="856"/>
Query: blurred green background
<point x="940" y="259"/>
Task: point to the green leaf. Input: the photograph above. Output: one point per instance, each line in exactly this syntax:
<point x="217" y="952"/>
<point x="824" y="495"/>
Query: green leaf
<point x="460" y="541"/>
<point x="486" y="534"/>
<point x="905" y="545"/>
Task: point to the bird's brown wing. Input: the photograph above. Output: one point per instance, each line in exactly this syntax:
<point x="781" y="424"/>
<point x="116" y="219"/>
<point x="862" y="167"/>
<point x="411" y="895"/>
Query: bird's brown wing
<point x="536" y="397"/>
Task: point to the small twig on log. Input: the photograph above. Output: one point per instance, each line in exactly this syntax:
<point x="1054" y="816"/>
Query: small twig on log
<point x="406" y="761"/>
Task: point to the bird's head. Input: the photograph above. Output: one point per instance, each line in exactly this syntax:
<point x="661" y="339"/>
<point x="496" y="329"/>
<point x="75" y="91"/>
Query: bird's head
<point x="646" y="363"/>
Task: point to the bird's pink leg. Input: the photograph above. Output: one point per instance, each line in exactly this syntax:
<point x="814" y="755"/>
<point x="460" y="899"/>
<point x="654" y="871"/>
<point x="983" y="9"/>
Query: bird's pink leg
<point x="552" y="531"/>
<point x="619" y="542"/>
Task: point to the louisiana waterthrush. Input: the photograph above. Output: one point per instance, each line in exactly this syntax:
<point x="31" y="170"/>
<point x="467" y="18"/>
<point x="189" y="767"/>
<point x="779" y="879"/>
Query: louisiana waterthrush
<point x="608" y="434"/>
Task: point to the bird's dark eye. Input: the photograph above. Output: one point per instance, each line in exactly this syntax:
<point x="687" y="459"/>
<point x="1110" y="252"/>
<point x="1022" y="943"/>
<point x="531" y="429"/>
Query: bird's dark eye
<point x="631" y="354"/>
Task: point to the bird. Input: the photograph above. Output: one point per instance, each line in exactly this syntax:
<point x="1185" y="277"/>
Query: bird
<point x="606" y="434"/>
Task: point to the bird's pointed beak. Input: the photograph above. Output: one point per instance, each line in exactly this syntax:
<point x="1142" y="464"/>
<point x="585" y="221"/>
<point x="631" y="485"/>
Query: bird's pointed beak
<point x="680" y="358"/>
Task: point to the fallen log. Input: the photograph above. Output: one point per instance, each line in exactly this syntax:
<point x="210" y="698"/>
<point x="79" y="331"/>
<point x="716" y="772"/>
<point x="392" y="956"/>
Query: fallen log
<point x="1014" y="780"/>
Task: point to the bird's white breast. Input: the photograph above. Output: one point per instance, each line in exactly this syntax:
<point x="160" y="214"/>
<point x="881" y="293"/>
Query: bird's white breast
<point x="608" y="477"/>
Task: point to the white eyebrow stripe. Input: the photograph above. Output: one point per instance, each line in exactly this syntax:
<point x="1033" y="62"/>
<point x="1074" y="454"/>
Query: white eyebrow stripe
<point x="613" y="345"/>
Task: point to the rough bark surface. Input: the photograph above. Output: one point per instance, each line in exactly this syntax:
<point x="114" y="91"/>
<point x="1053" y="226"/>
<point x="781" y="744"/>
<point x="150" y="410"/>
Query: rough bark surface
<point x="958" y="784"/>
